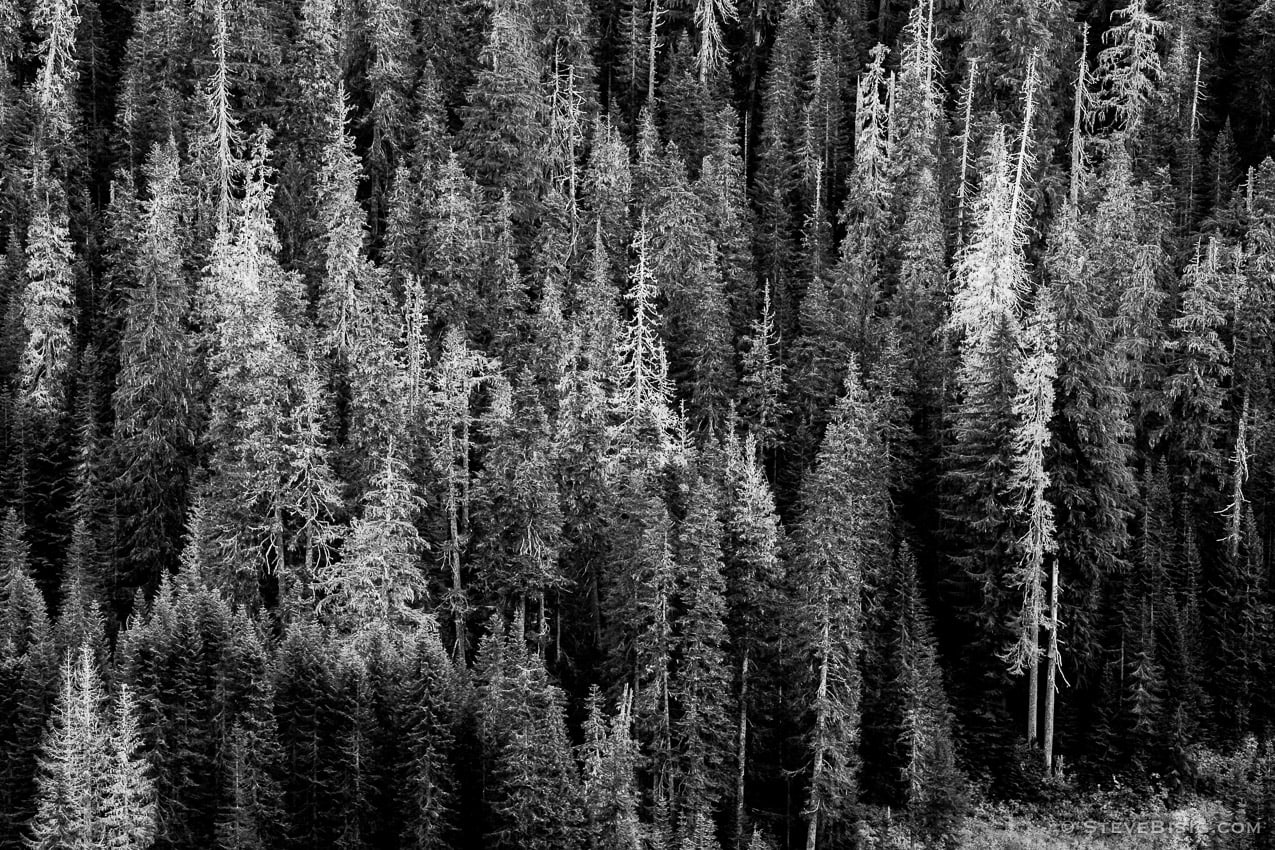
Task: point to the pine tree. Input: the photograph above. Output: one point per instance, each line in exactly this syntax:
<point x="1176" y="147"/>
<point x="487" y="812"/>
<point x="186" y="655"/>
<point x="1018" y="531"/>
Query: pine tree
<point x="934" y="791"/>
<point x="55" y="135"/>
<point x="1091" y="450"/>
<point x="710" y="16"/>
<point x="457" y="374"/>
<point x="518" y="514"/>
<point x="991" y="277"/>
<point x="1129" y="67"/>
<point x="389" y="81"/>
<point x="429" y="714"/>
<point x="129" y="804"/>
<point x="250" y="301"/>
<point x="608" y="193"/>
<point x="74" y="760"/>
<point x="455" y="235"/>
<point x="341" y="221"/>
<point x="240" y="825"/>
<point x="636" y="594"/>
<point x="189" y="703"/>
<point x="754" y="596"/>
<point x="313" y="499"/>
<point x="306" y="710"/>
<point x="762" y="387"/>
<point x="644" y="397"/>
<point x="1196" y="387"/>
<point x="28" y="667"/>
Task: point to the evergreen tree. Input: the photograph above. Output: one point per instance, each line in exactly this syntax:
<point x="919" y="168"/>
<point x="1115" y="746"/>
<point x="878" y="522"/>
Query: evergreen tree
<point x="155" y="399"/>
<point x="1034" y="407"/>
<point x="700" y="687"/>
<point x="609" y="759"/>
<point x="840" y="537"/>
<point x="94" y="789"/>
<point x="505" y="114"/>
<point x="250" y="302"/>
<point x="762" y="387"/>
<point x="47" y="311"/>
<point x="456" y="376"/>
<point x="519" y="517"/>
<point x="991" y="277"/>
<point x="379" y="581"/>
<point x="532" y="797"/>
<point x="29" y="669"/>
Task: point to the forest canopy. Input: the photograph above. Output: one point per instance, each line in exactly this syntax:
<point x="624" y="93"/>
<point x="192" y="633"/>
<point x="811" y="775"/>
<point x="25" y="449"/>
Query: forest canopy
<point x="629" y="424"/>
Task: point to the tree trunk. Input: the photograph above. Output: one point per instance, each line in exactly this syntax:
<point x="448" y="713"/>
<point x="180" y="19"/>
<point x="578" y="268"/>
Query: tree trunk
<point x="650" y="54"/>
<point x="816" y="772"/>
<point x="1033" y="687"/>
<point x="741" y="754"/>
<point x="1051" y="678"/>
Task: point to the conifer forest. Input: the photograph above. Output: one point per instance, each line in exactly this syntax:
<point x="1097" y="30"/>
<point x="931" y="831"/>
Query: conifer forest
<point x="636" y="424"/>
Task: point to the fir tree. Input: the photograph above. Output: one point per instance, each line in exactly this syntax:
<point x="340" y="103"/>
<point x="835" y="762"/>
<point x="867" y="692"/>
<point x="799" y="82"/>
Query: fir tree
<point x="839" y="538"/>
<point x="47" y="310"/>
<point x="154" y="399"/>
<point x="94" y="789"/>
<point x="532" y="797"/>
<point x="609" y="760"/>
<point x="504" y="119"/>
<point x="700" y="687"/>
<point x="379" y="581"/>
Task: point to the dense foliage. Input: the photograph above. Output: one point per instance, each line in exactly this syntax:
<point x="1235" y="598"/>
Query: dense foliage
<point x="628" y="423"/>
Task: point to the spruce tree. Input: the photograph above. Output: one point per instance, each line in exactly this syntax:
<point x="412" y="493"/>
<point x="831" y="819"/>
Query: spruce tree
<point x="94" y="789"/>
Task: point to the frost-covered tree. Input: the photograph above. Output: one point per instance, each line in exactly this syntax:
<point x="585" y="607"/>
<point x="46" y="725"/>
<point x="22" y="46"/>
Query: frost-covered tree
<point x="249" y="301"/>
<point x="379" y="580"/>
<point x="645" y="396"/>
<point x="1034" y="408"/>
<point x="1129" y="67"/>
<point x="94" y="788"/>
<point x="47" y="309"/>
<point x="454" y="381"/>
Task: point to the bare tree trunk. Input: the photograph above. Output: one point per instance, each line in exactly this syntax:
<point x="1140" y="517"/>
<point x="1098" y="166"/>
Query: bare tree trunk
<point x="1051" y="678"/>
<point x="1078" y="119"/>
<point x="1033" y="687"/>
<point x="816" y="772"/>
<point x="453" y="557"/>
<point x="962" y="188"/>
<point x="650" y="54"/>
<point x="741" y="752"/>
